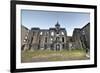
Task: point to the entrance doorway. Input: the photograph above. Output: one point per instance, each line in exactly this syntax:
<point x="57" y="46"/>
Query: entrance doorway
<point x="58" y="47"/>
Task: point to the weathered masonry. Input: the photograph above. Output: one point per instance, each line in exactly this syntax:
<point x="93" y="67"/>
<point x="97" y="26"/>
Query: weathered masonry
<point x="55" y="38"/>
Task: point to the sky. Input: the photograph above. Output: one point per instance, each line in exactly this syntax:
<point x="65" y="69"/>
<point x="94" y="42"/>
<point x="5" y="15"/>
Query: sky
<point x="48" y="19"/>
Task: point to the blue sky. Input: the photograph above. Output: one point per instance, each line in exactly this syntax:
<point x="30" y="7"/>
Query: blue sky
<point x="47" y="19"/>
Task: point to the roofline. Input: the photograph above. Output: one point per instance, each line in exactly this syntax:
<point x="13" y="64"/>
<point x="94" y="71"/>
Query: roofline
<point x="85" y="25"/>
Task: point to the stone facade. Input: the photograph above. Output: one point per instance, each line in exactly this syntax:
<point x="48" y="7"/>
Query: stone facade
<point x="85" y="36"/>
<point x="55" y="38"/>
<point x="81" y="37"/>
<point x="24" y="34"/>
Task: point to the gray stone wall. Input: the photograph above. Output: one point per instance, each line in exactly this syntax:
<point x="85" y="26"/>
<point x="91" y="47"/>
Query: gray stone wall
<point x="55" y="38"/>
<point x="85" y="36"/>
<point x="50" y="39"/>
<point x="76" y="38"/>
<point x="24" y="36"/>
<point x="81" y="37"/>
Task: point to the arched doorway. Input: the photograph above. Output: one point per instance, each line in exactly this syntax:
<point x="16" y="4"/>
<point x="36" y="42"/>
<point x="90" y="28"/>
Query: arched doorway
<point x="58" y="47"/>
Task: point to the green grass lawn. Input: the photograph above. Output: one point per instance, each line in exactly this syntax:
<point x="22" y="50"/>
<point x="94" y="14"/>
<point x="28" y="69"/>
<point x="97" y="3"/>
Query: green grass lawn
<point x="48" y="55"/>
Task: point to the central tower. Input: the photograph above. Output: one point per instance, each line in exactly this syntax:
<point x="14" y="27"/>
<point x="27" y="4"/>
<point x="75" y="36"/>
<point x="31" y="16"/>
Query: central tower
<point x="57" y="26"/>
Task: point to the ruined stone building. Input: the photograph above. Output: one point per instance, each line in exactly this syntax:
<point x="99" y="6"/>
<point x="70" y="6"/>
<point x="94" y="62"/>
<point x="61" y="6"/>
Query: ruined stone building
<point x="81" y="37"/>
<point x="55" y="38"/>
